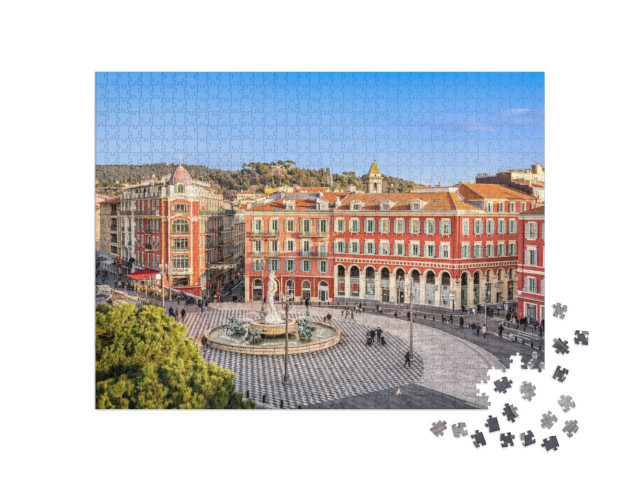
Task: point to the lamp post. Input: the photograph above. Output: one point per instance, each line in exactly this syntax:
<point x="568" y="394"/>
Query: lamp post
<point x="169" y="278"/>
<point x="162" y="279"/>
<point x="286" y="299"/>
<point x="408" y="286"/>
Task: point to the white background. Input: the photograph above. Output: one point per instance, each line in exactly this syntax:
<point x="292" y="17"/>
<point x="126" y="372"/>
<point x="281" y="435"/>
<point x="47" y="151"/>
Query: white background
<point x="50" y="51"/>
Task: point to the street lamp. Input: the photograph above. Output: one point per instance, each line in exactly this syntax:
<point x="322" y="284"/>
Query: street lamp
<point x="408" y="285"/>
<point x="287" y="299"/>
<point x="162" y="279"/>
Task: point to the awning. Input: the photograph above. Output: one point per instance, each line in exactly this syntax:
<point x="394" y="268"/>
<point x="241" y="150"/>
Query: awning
<point x="143" y="274"/>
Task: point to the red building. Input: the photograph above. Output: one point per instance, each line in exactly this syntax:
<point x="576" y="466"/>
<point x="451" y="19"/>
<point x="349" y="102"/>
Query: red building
<point x="175" y="226"/>
<point x="451" y="244"/>
<point x="531" y="264"/>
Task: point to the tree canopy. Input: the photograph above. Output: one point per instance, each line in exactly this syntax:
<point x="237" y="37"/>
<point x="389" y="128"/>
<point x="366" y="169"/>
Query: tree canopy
<point x="145" y="361"/>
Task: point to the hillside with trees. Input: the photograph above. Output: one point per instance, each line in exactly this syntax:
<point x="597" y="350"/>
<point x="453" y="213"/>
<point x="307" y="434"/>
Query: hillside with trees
<point x="253" y="176"/>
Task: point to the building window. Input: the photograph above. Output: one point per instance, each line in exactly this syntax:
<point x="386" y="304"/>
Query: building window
<point x="305" y="266"/>
<point x="501" y="250"/>
<point x="399" y="248"/>
<point x="339" y="247"/>
<point x="274" y="264"/>
<point x="465" y="226"/>
<point x="369" y="247"/>
<point x="354" y="225"/>
<point x="430" y="226"/>
<point x="489" y="207"/>
<point x="180" y="245"/>
<point x="273" y="246"/>
<point x="512" y="206"/>
<point x="180" y="262"/>
<point x="323" y="266"/>
<point x="512" y="249"/>
<point x="354" y="247"/>
<point x="339" y="225"/>
<point x="384" y="226"/>
<point x="489" y="250"/>
<point x="465" y="251"/>
<point x="513" y="226"/>
<point x="180" y="207"/>
<point x="523" y="206"/>
<point x="291" y="245"/>
<point x="180" y="227"/>
<point x="502" y="226"/>
<point x="384" y="248"/>
<point x="477" y="227"/>
<point x="414" y="226"/>
<point x="180" y="188"/>
<point x="444" y="251"/>
<point x="531" y="285"/>
<point x="477" y="251"/>
<point x="323" y="226"/>
<point x="500" y="206"/>
<point x="399" y="226"/>
<point x="369" y="226"/>
<point x="305" y="226"/>
<point x="531" y="230"/>
<point x="257" y="225"/>
<point x="414" y="249"/>
<point x="531" y="257"/>
<point x="257" y="247"/>
<point x="274" y="225"/>
<point x="290" y="225"/>
<point x="290" y="265"/>
<point x="385" y="206"/>
<point x="430" y="250"/>
<point x="489" y="226"/>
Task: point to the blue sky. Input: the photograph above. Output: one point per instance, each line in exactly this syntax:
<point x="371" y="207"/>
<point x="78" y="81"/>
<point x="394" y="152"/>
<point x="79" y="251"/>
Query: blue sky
<point x="426" y="127"/>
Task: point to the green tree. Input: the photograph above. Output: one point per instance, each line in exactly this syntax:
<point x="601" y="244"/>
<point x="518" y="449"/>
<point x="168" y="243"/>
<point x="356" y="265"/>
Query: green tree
<point x="144" y="361"/>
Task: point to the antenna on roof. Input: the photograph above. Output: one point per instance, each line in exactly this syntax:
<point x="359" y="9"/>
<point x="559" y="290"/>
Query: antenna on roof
<point x="180" y="161"/>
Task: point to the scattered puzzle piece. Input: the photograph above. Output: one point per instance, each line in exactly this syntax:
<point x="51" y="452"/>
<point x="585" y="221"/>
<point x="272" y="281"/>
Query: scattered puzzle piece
<point x="511" y="412"/>
<point x="548" y="420"/>
<point x="492" y="424"/>
<point x="527" y="390"/>
<point x="551" y="443"/>
<point x="439" y="428"/>
<point x="459" y="429"/>
<point x="561" y="347"/>
<point x="502" y="385"/>
<point x="560" y="374"/>
<point x="506" y="439"/>
<point x="559" y="310"/>
<point x="570" y="427"/>
<point x="478" y="439"/>
<point x="566" y="402"/>
<point x="582" y="337"/>
<point x="527" y="438"/>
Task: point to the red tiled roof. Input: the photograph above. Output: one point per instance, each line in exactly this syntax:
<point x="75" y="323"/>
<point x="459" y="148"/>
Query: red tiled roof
<point x="537" y="210"/>
<point x="180" y="176"/>
<point x="491" y="191"/>
<point x="431" y="200"/>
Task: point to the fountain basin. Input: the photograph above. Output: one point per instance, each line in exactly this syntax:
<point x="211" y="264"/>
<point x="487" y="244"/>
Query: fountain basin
<point x="273" y="330"/>
<point x="324" y="337"/>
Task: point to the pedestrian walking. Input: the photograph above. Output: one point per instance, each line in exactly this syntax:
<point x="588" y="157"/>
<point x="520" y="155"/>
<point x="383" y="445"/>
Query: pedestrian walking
<point x="484" y="331"/>
<point x="500" y="329"/>
<point x="443" y="319"/>
<point x="407" y="359"/>
<point x="478" y="330"/>
<point x="395" y="314"/>
<point x="324" y="319"/>
<point x="171" y="311"/>
<point x="541" y="330"/>
<point x="378" y="334"/>
<point x="461" y="322"/>
<point x="377" y="307"/>
<point x="372" y="333"/>
<point x="473" y="327"/>
<point x="342" y="314"/>
<point x="183" y="313"/>
<point x="408" y="316"/>
<point x="450" y="318"/>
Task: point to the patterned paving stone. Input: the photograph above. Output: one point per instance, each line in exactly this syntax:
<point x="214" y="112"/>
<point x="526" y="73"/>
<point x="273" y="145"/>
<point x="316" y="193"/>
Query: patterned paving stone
<point x="348" y="370"/>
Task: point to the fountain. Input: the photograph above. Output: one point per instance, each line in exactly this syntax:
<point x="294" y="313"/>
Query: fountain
<point x="265" y="335"/>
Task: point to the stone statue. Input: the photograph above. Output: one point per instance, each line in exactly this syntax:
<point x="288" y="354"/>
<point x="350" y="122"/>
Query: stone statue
<point x="253" y="336"/>
<point x="272" y="316"/>
<point x="234" y="325"/>
<point x="304" y="330"/>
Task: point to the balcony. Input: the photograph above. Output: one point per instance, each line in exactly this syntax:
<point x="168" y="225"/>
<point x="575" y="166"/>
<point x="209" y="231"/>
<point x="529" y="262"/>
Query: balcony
<point x="257" y="233"/>
<point x="314" y="253"/>
<point x="314" y="234"/>
<point x="179" y="272"/>
<point x="126" y="212"/>
<point x="147" y="212"/>
<point x="271" y="234"/>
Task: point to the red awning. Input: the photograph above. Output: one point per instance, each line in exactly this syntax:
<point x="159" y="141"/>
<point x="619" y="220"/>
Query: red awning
<point x="143" y="274"/>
